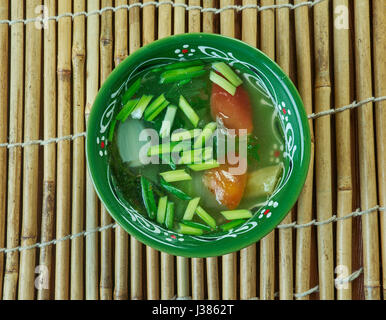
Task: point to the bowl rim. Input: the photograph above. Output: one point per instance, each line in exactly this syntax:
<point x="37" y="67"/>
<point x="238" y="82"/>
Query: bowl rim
<point x="271" y="223"/>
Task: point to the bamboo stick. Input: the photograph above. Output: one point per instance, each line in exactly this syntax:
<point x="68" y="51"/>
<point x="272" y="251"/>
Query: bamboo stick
<point x="31" y="155"/>
<point x="229" y="267"/>
<point x="92" y="86"/>
<point x="343" y="141"/>
<point x="167" y="261"/>
<point x="182" y="277"/>
<point x="198" y="279"/>
<point x="379" y="40"/>
<point x="49" y="175"/>
<point x="179" y="18"/>
<point x="194" y="17"/>
<point x="285" y="235"/>
<point x="106" y="52"/>
<point x="248" y="255"/>
<point x="121" y="291"/>
<point x="63" y="178"/>
<point x="14" y="162"/>
<point x="323" y="151"/>
<point x="77" y="219"/>
<point x="304" y="205"/>
<point x="368" y="184"/>
<point x="3" y="130"/>
<point x="267" y="244"/>
<point x="208" y="17"/>
<point x="152" y="256"/>
<point x="135" y="246"/>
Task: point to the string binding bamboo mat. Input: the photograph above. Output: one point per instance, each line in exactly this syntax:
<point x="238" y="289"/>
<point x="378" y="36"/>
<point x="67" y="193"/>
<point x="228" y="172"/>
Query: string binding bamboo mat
<point x="56" y="239"/>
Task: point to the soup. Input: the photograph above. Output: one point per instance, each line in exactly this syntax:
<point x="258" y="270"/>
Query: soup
<point x="195" y="146"/>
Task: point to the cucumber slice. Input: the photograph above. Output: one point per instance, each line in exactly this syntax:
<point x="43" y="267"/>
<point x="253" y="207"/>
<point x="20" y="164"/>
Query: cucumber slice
<point x="237" y="214"/>
<point x="222" y="82"/>
<point x="228" y="73"/>
<point x="176" y="175"/>
<point x="161" y="211"/>
<point x="206" y="217"/>
<point x="189" y="112"/>
<point x="184" y="229"/>
<point x="191" y="208"/>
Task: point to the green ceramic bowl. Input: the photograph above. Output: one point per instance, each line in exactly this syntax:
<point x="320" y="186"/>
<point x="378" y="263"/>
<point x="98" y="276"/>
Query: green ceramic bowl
<point x="261" y="71"/>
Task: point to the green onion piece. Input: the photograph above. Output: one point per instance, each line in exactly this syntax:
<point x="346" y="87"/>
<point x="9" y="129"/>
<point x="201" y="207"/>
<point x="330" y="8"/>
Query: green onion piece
<point x="183" y="64"/>
<point x="237" y="214"/>
<point x="206" y="217"/>
<point x="211" y="164"/>
<point x="169" y="220"/>
<point x="182" y="74"/>
<point x="228" y="73"/>
<point x="148" y="197"/>
<point x="112" y="128"/>
<point x="197" y="225"/>
<point x="161" y="212"/>
<point x="223" y="83"/>
<point x="154" y="105"/>
<point x="191" y="208"/>
<point x="158" y="111"/>
<point x="177" y="175"/>
<point x="180" y="135"/>
<point x="167" y="123"/>
<point x="184" y="229"/>
<point x="233" y="224"/>
<point x="131" y="91"/>
<point x="127" y="110"/>
<point x="183" y="82"/>
<point x="206" y="133"/>
<point x="189" y="112"/>
<point x="196" y="155"/>
<point x="167" y="148"/>
<point x="175" y="191"/>
<point x="141" y="106"/>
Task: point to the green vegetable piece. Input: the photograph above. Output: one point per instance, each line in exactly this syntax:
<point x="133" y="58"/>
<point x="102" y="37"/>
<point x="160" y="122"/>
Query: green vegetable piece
<point x="233" y="224"/>
<point x="206" y="217"/>
<point x="167" y="123"/>
<point x="206" y="133"/>
<point x="263" y="182"/>
<point x="176" y="175"/>
<point x="173" y="190"/>
<point x="158" y="111"/>
<point x="184" y="82"/>
<point x="196" y="155"/>
<point x="141" y="106"/>
<point x="184" y="229"/>
<point x="131" y="91"/>
<point x="211" y="164"/>
<point x="228" y="73"/>
<point x="180" y="135"/>
<point x="189" y="112"/>
<point x="197" y="225"/>
<point x="112" y="128"/>
<point x="183" y="64"/>
<point x="161" y="212"/>
<point x="154" y="105"/>
<point x="169" y="220"/>
<point x="191" y="208"/>
<point x="222" y="82"/>
<point x="237" y="214"/>
<point x="182" y="74"/>
<point x="167" y="148"/>
<point x="127" y="110"/>
<point x="148" y="197"/>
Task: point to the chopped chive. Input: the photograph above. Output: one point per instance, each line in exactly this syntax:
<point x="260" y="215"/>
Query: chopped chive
<point x="167" y="123"/>
<point x="189" y="112"/>
<point x="148" y="197"/>
<point x="158" y="111"/>
<point x="180" y="135"/>
<point x="169" y="220"/>
<point x="230" y="225"/>
<point x="141" y="106"/>
<point x="183" y="82"/>
<point x="184" y="229"/>
<point x="206" y="133"/>
<point x="228" y="73"/>
<point x="182" y="74"/>
<point x="211" y="164"/>
<point x="161" y="212"/>
<point x="154" y="105"/>
<point x="112" y="128"/>
<point x="131" y="91"/>
<point x="191" y="208"/>
<point x="206" y="217"/>
<point x="127" y="110"/>
<point x="173" y="190"/>
<point x="183" y="64"/>
<point x="237" y="214"/>
<point x="222" y="82"/>
<point x="176" y="175"/>
<point x="167" y="148"/>
<point x="197" y="225"/>
<point x="196" y="155"/>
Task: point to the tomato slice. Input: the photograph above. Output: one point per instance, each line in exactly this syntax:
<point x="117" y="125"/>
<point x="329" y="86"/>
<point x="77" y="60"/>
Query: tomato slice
<point x="235" y="111"/>
<point x="226" y="187"/>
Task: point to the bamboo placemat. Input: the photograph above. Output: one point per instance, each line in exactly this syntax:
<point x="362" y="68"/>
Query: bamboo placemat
<point x="58" y="242"/>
